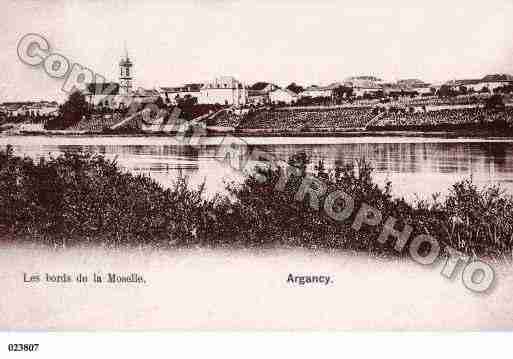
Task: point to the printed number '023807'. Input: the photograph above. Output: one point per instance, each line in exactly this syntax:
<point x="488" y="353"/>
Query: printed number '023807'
<point x="23" y="347"/>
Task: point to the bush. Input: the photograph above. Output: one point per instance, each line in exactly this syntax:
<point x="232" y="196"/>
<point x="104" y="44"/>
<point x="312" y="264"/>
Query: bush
<point x="83" y="198"/>
<point x="70" y="113"/>
<point x="474" y="222"/>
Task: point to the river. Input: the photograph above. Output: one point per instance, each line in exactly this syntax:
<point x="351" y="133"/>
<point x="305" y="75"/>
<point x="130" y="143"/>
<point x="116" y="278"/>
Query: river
<point x="417" y="166"/>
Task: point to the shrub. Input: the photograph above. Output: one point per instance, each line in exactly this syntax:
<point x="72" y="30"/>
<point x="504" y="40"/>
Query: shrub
<point x="475" y="222"/>
<point x="84" y="198"/>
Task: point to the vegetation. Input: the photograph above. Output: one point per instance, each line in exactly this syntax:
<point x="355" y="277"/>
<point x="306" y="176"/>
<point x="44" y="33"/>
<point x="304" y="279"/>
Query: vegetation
<point x="71" y="112"/>
<point x="475" y="222"/>
<point x="494" y="128"/>
<point x="495" y="102"/>
<point x="446" y="91"/>
<point x="295" y="88"/>
<point x="77" y="197"/>
<point x="80" y="198"/>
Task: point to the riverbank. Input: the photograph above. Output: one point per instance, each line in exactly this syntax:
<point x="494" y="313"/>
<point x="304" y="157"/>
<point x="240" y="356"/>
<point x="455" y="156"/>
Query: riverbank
<point x="77" y="198"/>
<point x="392" y="132"/>
<point x="408" y="131"/>
<point x="345" y="134"/>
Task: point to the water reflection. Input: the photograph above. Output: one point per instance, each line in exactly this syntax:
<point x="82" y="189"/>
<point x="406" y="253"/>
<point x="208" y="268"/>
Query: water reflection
<point x="415" y="166"/>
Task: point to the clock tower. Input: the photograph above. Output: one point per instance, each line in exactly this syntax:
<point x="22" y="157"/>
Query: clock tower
<point x="125" y="76"/>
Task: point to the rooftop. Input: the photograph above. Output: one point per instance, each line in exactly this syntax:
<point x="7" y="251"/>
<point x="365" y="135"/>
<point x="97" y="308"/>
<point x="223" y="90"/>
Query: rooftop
<point x="224" y="82"/>
<point x="497" y="78"/>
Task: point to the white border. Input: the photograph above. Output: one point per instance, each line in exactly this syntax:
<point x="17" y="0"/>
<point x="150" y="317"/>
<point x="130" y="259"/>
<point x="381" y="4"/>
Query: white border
<point x="260" y="345"/>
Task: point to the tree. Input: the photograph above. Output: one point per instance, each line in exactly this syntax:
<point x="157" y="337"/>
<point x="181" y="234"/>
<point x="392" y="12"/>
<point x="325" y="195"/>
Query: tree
<point x="445" y="91"/>
<point x="295" y="88"/>
<point x="76" y="105"/>
<point x="342" y="91"/>
<point x="70" y="113"/>
<point x="160" y="103"/>
<point x="188" y="106"/>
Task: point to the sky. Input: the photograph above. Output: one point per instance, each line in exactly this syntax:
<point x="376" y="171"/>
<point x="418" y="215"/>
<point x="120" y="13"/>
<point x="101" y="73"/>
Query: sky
<point x="280" y="41"/>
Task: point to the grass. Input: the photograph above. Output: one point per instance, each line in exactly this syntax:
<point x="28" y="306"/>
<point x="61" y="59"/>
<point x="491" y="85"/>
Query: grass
<point x="86" y="199"/>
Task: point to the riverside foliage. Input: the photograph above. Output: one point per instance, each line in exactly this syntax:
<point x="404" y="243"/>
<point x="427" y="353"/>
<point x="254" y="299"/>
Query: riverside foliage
<point x="87" y="199"/>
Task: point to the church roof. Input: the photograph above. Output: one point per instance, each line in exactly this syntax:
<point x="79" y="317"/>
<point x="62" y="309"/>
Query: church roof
<point x="182" y="88"/>
<point x="259" y="86"/>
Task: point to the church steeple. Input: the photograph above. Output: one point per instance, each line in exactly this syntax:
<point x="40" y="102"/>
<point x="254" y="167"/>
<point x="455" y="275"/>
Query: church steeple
<point x="126" y="52"/>
<point x="125" y="77"/>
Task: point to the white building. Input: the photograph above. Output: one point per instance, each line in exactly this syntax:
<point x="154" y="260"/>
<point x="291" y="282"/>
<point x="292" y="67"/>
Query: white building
<point x="470" y="84"/>
<point x="283" y="96"/>
<point x="415" y="85"/>
<point x="496" y="80"/>
<point x="37" y="109"/>
<point x="224" y="90"/>
<point x="363" y="82"/>
<point x="364" y="85"/>
<point x="490" y="82"/>
<point x="258" y="94"/>
<point x="316" y="92"/>
<point x="361" y="91"/>
<point x="424" y="90"/>
<point x="180" y="92"/>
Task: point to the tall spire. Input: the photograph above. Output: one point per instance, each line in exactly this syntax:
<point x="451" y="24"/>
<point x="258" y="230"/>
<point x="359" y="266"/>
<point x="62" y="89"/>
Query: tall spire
<point x="126" y="51"/>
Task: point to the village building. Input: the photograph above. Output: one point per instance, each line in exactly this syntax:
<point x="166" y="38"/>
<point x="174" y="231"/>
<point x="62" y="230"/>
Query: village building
<point x="365" y="81"/>
<point x="258" y="94"/>
<point x="224" y="90"/>
<point x="490" y="82"/>
<point x="470" y="84"/>
<point x="364" y="85"/>
<point x="407" y="87"/>
<point x="143" y="94"/>
<point x="416" y="86"/>
<point x="41" y="108"/>
<point x="315" y="91"/>
<point x="171" y="95"/>
<point x="363" y="91"/>
<point x="280" y="95"/>
<point x="426" y="89"/>
<point x="496" y="80"/>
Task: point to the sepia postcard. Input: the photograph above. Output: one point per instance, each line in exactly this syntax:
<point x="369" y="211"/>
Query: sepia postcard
<point x="256" y="165"/>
